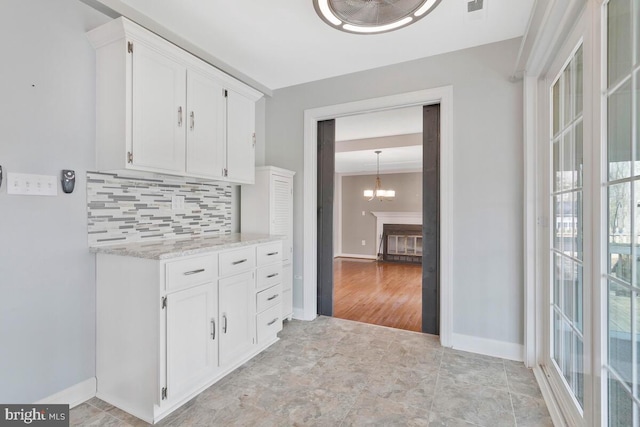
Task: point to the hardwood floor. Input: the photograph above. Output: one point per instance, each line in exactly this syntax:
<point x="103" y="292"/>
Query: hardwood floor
<point x="386" y="294"/>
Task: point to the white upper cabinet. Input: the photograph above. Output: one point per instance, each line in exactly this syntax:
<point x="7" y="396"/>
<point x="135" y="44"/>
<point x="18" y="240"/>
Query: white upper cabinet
<point x="159" y="101"/>
<point x="206" y="147"/>
<point x="160" y="109"/>
<point x="241" y="138"/>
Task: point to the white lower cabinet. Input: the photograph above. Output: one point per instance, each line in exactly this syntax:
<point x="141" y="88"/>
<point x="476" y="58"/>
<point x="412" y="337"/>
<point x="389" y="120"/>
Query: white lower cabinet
<point x="192" y="350"/>
<point x="237" y="334"/>
<point x="167" y="330"/>
<point x="287" y="289"/>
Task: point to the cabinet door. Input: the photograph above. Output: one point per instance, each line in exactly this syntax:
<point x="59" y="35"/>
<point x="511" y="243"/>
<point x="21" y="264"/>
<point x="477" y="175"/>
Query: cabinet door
<point x="206" y="143"/>
<point x="237" y="316"/>
<point x="159" y="115"/>
<point x="241" y="119"/>
<point x="287" y="291"/>
<point x="192" y="336"/>
<point x="282" y="212"/>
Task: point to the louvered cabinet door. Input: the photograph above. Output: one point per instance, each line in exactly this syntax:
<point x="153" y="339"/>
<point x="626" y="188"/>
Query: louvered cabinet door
<point x="282" y="212"/>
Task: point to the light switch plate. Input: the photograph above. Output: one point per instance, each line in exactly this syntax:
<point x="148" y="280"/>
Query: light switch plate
<point x="177" y="203"/>
<point x="32" y="185"/>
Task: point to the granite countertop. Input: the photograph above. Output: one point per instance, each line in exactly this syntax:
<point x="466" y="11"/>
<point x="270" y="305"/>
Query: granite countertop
<point x="173" y="248"/>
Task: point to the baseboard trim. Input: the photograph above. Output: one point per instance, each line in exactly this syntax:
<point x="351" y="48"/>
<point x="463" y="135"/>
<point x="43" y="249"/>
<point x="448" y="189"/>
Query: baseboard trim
<point x="488" y="347"/>
<point x="74" y="395"/>
<point x="549" y="397"/>
<point x="298" y="314"/>
<point x="357" y="256"/>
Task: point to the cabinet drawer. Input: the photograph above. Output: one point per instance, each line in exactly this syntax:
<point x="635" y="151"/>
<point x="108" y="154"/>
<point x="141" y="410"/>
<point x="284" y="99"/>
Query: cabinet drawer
<point x="190" y="272"/>
<point x="269" y="323"/>
<point x="237" y="261"/>
<point x="268" y="298"/>
<point x="270" y="253"/>
<point x="269" y="276"/>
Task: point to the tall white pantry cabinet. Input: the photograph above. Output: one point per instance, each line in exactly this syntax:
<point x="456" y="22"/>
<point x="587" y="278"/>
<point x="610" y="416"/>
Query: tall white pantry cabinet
<point x="267" y="207"/>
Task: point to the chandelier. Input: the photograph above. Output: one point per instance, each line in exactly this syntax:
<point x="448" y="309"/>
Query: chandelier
<point x="372" y="16"/>
<point x="377" y="191"/>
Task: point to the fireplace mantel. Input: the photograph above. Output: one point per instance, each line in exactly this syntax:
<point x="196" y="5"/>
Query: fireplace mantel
<point x="394" y="218"/>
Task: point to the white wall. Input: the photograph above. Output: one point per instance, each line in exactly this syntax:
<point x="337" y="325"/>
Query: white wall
<point x="47" y="275"/>
<point x="487" y="203"/>
<point x="357" y="227"/>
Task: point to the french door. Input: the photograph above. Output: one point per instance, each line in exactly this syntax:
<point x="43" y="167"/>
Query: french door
<point x="592" y="306"/>
<point x="568" y="335"/>
<point x="621" y="284"/>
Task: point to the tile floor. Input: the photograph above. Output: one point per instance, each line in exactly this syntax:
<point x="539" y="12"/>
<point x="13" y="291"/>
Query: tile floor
<point x="333" y="372"/>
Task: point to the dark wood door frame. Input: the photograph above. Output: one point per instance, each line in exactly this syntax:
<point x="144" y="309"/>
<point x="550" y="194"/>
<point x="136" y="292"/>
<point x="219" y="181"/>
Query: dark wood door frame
<point x="326" y="173"/>
<point x="431" y="219"/>
<point x="430" y="215"/>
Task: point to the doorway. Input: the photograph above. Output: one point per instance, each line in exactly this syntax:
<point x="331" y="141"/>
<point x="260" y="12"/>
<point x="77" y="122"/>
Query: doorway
<point x="382" y="291"/>
<point x="308" y="290"/>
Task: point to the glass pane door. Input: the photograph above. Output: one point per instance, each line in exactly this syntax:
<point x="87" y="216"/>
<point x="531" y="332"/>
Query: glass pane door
<point x="622" y="286"/>
<point x="567" y="341"/>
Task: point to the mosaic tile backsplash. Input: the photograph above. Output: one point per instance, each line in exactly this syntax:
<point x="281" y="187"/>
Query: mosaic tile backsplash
<point x="125" y="209"/>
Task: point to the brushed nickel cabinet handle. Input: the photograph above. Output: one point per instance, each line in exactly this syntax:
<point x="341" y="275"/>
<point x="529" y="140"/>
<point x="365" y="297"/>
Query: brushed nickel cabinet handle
<point x="193" y="120"/>
<point x="224" y="326"/>
<point x="189" y="273"/>
<point x="272" y="253"/>
<point x="272" y="275"/>
<point x="272" y="322"/>
<point x="239" y="262"/>
<point x="273" y="297"/>
<point x="213" y="329"/>
<point x="179" y="117"/>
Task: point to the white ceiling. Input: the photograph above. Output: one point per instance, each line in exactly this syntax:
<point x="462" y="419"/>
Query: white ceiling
<point x="361" y="157"/>
<point x="392" y="160"/>
<point x="400" y="121"/>
<point x="280" y="43"/>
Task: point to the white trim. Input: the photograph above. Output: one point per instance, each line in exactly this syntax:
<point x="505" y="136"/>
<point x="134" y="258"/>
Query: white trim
<point x="74" y="395"/>
<point x="356" y="256"/>
<point x="488" y="347"/>
<point x="298" y="314"/>
<point x="337" y="203"/>
<point x="599" y="347"/>
<point x="549" y="398"/>
<point x="530" y="220"/>
<point x="383" y="218"/>
<point x="441" y="95"/>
